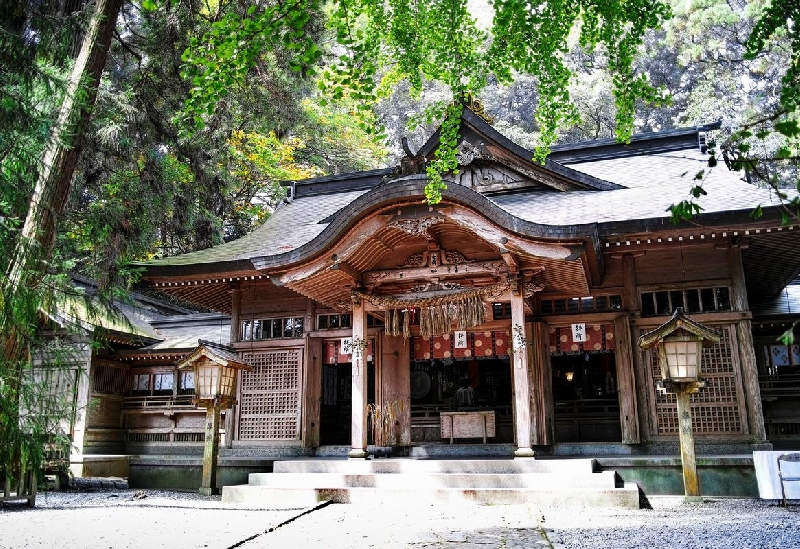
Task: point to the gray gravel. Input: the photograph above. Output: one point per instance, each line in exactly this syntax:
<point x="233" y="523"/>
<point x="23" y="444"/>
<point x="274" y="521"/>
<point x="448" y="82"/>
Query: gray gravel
<point x="109" y="515"/>
<point x="716" y="523"/>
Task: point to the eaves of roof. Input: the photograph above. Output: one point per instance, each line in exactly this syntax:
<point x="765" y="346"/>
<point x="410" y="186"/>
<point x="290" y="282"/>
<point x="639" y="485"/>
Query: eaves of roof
<point x="644" y="143"/>
<point x="411" y="189"/>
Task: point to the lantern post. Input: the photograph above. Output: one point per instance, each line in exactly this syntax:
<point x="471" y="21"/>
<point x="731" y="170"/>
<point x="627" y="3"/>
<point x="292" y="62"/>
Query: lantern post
<point x="215" y="369"/>
<point x="679" y="343"/>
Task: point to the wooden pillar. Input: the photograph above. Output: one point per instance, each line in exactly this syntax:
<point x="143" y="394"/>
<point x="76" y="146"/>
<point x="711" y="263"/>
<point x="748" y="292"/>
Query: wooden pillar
<point x="236" y="312"/>
<point x="235" y="337"/>
<point x="626" y="381"/>
<point x="80" y="418"/>
<point x="395" y="394"/>
<point x="691" y="482"/>
<point x="312" y="392"/>
<point x="541" y="385"/>
<point x="520" y="376"/>
<point x="358" y="423"/>
<point x="630" y="300"/>
<point x="208" y="485"/>
<point x="747" y="353"/>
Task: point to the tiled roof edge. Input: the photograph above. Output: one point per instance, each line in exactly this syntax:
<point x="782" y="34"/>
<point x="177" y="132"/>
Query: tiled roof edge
<point x="330" y="184"/>
<point x="643" y="143"/>
<point x="411" y="189"/>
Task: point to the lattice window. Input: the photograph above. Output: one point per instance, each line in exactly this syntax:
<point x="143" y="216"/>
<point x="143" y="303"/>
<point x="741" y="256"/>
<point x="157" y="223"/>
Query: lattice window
<point x="109" y="379"/>
<point x="269" y="408"/>
<point x="717" y="408"/>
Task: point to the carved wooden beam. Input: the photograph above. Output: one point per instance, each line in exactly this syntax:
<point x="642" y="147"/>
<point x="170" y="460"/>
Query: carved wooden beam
<point x="513" y="266"/>
<point x="496" y="268"/>
<point x="349" y="270"/>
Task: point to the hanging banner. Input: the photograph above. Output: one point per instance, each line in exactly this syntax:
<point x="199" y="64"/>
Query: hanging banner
<point x="598" y="338"/>
<point x="579" y="333"/>
<point x="335" y="351"/>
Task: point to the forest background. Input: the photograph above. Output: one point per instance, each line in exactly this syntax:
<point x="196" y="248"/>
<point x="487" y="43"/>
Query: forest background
<point x="168" y="128"/>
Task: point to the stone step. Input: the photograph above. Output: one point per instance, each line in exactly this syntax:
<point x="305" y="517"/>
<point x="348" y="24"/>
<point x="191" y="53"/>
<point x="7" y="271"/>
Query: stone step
<point x="533" y="481"/>
<point x="449" y="466"/>
<point x="275" y="498"/>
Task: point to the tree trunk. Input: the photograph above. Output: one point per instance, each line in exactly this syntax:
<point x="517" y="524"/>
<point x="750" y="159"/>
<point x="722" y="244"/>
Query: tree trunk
<point x="60" y="155"/>
<point x="29" y="262"/>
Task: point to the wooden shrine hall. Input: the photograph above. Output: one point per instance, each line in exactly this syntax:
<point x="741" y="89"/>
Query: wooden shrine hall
<point x="506" y="314"/>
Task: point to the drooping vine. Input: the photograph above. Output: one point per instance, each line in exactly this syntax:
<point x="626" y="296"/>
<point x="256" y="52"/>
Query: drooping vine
<point x="382" y="42"/>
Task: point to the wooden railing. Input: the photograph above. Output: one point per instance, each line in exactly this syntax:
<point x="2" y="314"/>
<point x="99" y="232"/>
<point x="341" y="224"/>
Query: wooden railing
<point x="782" y="428"/>
<point x="588" y="408"/>
<point x="427" y="415"/>
<point x="779" y="386"/>
<point x="588" y="420"/>
<point x="21" y="489"/>
<point x="158" y="402"/>
<point x="155" y="434"/>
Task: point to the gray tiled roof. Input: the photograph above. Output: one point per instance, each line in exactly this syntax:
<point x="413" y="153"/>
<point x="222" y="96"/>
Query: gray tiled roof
<point x="289" y="227"/>
<point x="184" y="331"/>
<point x="652" y="182"/>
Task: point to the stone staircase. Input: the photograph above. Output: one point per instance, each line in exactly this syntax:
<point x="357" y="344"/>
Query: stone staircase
<point x="306" y="482"/>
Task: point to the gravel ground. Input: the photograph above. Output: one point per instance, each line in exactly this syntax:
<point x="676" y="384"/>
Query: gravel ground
<point x="716" y="523"/>
<point x="106" y="514"/>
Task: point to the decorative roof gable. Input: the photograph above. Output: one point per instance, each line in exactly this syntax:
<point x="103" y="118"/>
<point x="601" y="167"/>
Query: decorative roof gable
<point x="490" y="163"/>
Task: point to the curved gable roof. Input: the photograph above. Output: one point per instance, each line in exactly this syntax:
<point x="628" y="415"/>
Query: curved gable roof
<point x="635" y="192"/>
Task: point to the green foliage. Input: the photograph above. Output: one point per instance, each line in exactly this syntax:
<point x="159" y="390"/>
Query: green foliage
<point x="438" y="41"/>
<point x="779" y="17"/>
<point x="333" y="141"/>
<point x="220" y="60"/>
<point x="446" y="160"/>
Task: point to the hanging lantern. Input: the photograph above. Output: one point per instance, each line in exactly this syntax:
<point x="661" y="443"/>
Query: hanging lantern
<point x="679" y="343"/>
<point x="215" y="370"/>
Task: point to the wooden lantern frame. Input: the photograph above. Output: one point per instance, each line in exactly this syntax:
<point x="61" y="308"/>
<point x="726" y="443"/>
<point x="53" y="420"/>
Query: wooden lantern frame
<point x="679" y="342"/>
<point x="215" y="370"/>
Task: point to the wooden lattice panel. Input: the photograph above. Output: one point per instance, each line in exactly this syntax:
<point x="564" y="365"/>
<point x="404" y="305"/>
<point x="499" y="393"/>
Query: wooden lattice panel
<point x="269" y="407"/>
<point x="717" y="408"/>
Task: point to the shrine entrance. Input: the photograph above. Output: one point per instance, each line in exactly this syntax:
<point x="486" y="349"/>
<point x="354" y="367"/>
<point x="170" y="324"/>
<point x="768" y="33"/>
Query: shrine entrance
<point x="474" y="378"/>
<point x="337" y="397"/>
<point x="586" y="406"/>
<point x="585" y="398"/>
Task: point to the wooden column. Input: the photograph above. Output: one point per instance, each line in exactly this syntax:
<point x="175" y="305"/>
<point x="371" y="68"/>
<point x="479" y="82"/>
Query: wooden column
<point x="236" y="336"/>
<point x="626" y="381"/>
<point x="541" y="385"/>
<point x="358" y="423"/>
<point x="395" y="391"/>
<point x="520" y="376"/>
<point x="630" y="300"/>
<point x="208" y="485"/>
<point x="747" y="353"/>
<point x="312" y="389"/>
<point x="83" y="399"/>
<point x="691" y="482"/>
<point x="236" y="310"/>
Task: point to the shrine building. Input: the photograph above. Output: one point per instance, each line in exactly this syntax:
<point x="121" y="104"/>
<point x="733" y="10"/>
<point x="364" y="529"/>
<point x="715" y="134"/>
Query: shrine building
<point x="364" y="311"/>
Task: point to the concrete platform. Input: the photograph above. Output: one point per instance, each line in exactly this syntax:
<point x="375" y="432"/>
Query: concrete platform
<point x="724" y="475"/>
<point x="304" y="482"/>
